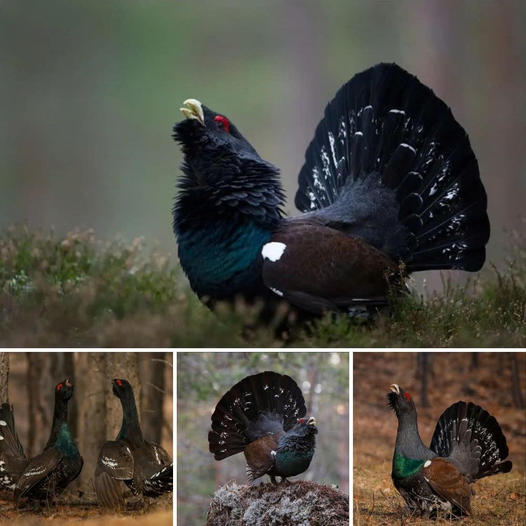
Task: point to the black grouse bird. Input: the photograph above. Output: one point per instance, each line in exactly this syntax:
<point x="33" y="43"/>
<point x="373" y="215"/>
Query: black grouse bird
<point x="467" y="445"/>
<point x="263" y="416"/>
<point x="145" y="468"/>
<point x="48" y="474"/>
<point x="390" y="186"/>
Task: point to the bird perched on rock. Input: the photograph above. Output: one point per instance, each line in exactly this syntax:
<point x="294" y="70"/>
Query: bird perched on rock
<point x="46" y="475"/>
<point x="467" y="445"/>
<point x="264" y="416"/>
<point x="145" y="468"/>
<point x="390" y="186"/>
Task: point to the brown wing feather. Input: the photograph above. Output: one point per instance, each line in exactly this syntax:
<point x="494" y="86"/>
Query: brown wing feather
<point x="449" y="483"/>
<point x="340" y="270"/>
<point x="259" y="456"/>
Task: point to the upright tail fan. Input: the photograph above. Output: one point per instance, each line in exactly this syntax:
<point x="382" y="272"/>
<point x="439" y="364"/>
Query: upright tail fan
<point x="390" y="164"/>
<point x="12" y="457"/>
<point x="260" y="404"/>
<point x="161" y="482"/>
<point x="472" y="439"/>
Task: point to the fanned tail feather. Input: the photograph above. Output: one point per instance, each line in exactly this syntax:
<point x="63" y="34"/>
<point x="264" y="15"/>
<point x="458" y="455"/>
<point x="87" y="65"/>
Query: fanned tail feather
<point x="471" y="437"/>
<point x="160" y="482"/>
<point x="390" y="164"/>
<point x="259" y="404"/>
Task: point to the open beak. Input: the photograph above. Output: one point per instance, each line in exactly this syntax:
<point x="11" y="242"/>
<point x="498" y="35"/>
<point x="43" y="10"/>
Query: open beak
<point x="193" y="109"/>
<point x="394" y="388"/>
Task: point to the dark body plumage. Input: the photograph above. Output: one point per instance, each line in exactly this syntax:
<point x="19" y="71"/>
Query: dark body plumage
<point x="467" y="445"/>
<point x="145" y="468"/>
<point x="390" y="185"/>
<point x="46" y="475"/>
<point x="262" y="416"/>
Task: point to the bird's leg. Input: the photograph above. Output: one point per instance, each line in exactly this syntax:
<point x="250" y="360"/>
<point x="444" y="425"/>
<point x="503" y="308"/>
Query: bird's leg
<point x="273" y="480"/>
<point x="284" y="481"/>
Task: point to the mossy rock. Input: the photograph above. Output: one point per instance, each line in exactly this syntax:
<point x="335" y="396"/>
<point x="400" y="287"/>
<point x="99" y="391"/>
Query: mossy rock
<point x="297" y="504"/>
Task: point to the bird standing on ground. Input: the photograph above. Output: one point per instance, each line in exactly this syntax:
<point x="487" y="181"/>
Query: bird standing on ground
<point x="46" y="475"/>
<point x="467" y="445"/>
<point x="390" y="186"/>
<point x="264" y="416"/>
<point x="145" y="468"/>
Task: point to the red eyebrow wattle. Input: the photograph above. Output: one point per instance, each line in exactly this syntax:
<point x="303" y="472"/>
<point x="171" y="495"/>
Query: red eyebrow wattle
<point x="224" y="121"/>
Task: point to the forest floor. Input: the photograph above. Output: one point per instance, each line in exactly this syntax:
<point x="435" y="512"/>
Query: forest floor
<point x="499" y="500"/>
<point x="87" y="515"/>
<point x="77" y="291"/>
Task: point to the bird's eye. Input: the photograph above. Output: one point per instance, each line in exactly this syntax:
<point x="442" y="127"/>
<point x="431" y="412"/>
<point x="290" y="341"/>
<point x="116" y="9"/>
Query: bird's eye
<point x="222" y="122"/>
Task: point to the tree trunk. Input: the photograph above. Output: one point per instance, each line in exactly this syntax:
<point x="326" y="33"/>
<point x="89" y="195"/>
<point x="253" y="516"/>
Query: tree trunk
<point x="153" y="396"/>
<point x="92" y="433"/>
<point x="518" y="400"/>
<point x="4" y="374"/>
<point x="41" y="399"/>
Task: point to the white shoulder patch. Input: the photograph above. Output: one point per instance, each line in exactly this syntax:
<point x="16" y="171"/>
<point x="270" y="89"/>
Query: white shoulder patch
<point x="273" y="250"/>
<point x="276" y="291"/>
<point x="427" y="463"/>
<point x="273" y="453"/>
<point x="3" y="423"/>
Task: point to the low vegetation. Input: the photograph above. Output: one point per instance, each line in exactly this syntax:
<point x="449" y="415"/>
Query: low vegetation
<point x="79" y="291"/>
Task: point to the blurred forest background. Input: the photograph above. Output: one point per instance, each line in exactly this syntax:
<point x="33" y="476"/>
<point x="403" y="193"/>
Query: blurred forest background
<point x="94" y="413"/>
<point x="90" y="91"/>
<point x="494" y="380"/>
<point x="203" y="378"/>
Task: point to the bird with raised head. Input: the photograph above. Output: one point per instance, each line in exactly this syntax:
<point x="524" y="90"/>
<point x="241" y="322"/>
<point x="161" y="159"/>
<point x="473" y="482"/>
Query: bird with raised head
<point x="467" y="445"/>
<point x="263" y="416"/>
<point x="390" y="186"/>
<point x="130" y="461"/>
<point x="48" y="474"/>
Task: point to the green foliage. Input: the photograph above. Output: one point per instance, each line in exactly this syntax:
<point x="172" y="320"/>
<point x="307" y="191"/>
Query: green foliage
<point x="78" y="291"/>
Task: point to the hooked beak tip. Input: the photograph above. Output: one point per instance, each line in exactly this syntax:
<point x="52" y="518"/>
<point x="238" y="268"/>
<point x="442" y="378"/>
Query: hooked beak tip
<point x="193" y="109"/>
<point x="394" y="388"/>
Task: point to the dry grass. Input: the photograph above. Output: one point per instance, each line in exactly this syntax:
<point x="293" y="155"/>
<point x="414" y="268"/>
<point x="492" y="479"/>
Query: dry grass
<point x="499" y="500"/>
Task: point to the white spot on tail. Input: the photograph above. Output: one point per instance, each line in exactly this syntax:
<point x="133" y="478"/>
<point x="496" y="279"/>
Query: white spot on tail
<point x="427" y="463"/>
<point x="397" y="111"/>
<point x="276" y="291"/>
<point x="405" y="145"/>
<point x="273" y="251"/>
<point x="107" y="461"/>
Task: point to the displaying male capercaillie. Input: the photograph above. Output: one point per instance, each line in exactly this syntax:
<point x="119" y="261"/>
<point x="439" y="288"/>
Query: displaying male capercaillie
<point x="264" y="417"/>
<point x="46" y="475"/>
<point x="467" y="445"/>
<point x="129" y="460"/>
<point x="390" y="186"/>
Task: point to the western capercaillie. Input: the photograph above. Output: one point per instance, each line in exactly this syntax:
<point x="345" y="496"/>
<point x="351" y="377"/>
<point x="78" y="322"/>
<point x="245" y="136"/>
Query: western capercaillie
<point x="263" y="415"/>
<point x="467" y="445"/>
<point x="390" y="186"/>
<point x="46" y="475"/>
<point x="129" y="460"/>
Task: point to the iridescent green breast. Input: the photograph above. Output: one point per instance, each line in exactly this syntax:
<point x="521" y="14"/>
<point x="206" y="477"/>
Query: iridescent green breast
<point x="405" y="467"/>
<point x="290" y="463"/>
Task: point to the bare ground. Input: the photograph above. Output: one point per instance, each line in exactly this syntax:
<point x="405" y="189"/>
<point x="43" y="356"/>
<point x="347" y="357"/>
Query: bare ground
<point x="86" y="514"/>
<point x="499" y="500"/>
